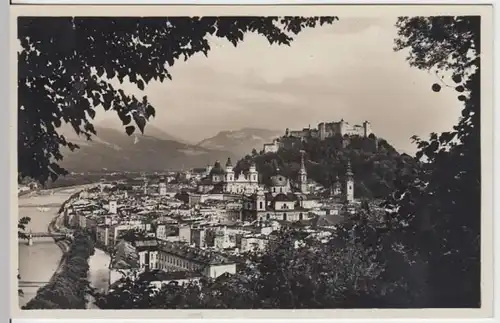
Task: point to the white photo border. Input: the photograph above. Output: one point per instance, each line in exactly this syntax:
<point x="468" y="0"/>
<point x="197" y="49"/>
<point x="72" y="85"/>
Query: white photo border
<point x="8" y="186"/>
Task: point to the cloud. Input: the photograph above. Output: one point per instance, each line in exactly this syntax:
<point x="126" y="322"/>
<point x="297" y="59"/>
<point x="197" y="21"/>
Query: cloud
<point x="347" y="70"/>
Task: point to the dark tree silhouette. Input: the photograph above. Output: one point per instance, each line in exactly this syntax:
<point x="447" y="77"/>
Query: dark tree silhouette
<point x="68" y="289"/>
<point x="440" y="204"/>
<point x="66" y="63"/>
<point x="295" y="271"/>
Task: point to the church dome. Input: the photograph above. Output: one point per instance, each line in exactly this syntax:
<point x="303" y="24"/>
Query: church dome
<point x="229" y="163"/>
<point x="217" y="169"/>
<point x="278" y="180"/>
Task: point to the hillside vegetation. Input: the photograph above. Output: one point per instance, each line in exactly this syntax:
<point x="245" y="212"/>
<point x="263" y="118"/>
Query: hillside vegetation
<point x="374" y="162"/>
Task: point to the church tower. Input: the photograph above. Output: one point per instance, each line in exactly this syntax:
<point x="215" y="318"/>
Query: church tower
<point x="145" y="187"/>
<point x="162" y="187"/>
<point x="229" y="171"/>
<point x="349" y="188"/>
<point x="302" y="175"/>
<point x="337" y="187"/>
<point x="253" y="174"/>
<point x="260" y="200"/>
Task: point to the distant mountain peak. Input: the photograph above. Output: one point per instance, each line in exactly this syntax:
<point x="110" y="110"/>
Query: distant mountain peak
<point x="240" y="141"/>
<point x="114" y="150"/>
<point x="149" y="130"/>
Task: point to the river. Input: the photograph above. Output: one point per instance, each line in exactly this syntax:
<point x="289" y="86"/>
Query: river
<point x="37" y="263"/>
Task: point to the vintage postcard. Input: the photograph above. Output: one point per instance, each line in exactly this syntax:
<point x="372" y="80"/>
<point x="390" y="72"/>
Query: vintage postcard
<point x="214" y="161"/>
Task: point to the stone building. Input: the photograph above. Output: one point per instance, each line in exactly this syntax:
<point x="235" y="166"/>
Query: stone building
<point x="226" y="181"/>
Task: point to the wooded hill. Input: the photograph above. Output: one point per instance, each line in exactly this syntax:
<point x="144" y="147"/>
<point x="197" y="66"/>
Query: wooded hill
<point x="374" y="162"/>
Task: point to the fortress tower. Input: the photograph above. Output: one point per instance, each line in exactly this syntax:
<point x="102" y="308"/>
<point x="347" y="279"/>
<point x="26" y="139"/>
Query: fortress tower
<point x="367" y="128"/>
<point x="322" y="131"/>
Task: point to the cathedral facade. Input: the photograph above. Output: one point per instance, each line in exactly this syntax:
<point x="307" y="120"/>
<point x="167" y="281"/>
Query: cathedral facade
<point x="224" y="180"/>
<point x="287" y="202"/>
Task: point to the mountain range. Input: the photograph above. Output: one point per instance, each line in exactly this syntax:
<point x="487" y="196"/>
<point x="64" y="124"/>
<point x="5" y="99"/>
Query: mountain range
<point x="156" y="150"/>
<point x="240" y="142"/>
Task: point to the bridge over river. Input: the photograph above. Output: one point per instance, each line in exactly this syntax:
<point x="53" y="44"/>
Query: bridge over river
<point x="38" y="262"/>
<point x="32" y="284"/>
<point x="41" y="236"/>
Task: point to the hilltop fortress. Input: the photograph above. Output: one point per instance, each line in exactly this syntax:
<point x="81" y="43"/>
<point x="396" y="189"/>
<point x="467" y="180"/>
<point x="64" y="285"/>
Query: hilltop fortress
<point x="331" y="129"/>
<point x="324" y="130"/>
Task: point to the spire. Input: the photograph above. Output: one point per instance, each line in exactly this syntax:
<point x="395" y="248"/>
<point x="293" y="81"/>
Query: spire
<point x="302" y="164"/>
<point x="228" y="163"/>
<point x="337" y="181"/>
<point x="276" y="166"/>
<point x="253" y="166"/>
<point x="348" y="172"/>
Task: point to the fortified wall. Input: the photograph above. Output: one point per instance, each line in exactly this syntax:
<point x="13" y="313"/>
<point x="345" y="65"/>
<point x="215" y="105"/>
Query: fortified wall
<point x="324" y="130"/>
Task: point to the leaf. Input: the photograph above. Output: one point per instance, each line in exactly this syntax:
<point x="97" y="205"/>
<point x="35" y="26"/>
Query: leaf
<point x="459" y="88"/>
<point x="456" y="78"/>
<point x="91" y="113"/>
<point x="462" y="98"/>
<point x="129" y="130"/>
<point x="110" y="73"/>
<point x="100" y="71"/>
<point x="141" y="123"/>
<point x="150" y="111"/>
<point x="436" y="87"/>
<point x="140" y="84"/>
<point x="126" y="119"/>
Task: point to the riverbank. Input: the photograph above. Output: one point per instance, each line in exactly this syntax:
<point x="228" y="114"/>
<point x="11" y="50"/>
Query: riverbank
<point x="38" y="262"/>
<point x="98" y="273"/>
<point x="64" y="245"/>
<point x="43" y="260"/>
<point x="68" y="290"/>
<point x="57" y="223"/>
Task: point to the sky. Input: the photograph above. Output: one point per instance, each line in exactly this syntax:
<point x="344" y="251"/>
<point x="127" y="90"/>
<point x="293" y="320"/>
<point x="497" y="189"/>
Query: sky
<point x="347" y="70"/>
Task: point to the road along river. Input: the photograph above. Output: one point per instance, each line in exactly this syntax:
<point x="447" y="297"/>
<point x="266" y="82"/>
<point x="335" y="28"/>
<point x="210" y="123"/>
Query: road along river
<point x="37" y="263"/>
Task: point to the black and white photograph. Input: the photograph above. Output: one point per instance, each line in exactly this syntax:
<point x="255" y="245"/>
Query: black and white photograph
<point x="237" y="161"/>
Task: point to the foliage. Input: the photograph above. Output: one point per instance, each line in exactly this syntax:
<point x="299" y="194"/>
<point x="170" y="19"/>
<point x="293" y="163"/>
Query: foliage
<point x="296" y="271"/>
<point x="21" y="234"/>
<point x="21" y="227"/>
<point x="439" y="205"/>
<point x="182" y="196"/>
<point x="66" y="63"/>
<point x="374" y="165"/>
<point x="67" y="289"/>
